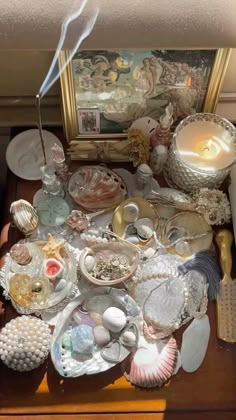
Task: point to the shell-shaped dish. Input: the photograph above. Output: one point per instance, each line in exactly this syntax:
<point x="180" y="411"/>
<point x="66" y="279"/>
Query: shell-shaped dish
<point x="126" y="255"/>
<point x="24" y="216"/>
<point x="146" y="211"/>
<point x="70" y="363"/>
<point x="152" y="364"/>
<point x="96" y="187"/>
<point x="188" y="229"/>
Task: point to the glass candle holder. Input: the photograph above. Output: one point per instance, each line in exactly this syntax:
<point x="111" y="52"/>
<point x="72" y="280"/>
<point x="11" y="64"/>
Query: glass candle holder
<point x="201" y="154"/>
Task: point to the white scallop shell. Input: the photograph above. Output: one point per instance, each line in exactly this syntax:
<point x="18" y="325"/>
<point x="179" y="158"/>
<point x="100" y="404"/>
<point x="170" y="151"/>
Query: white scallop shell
<point x="24" y="216"/>
<point x="152" y="364"/>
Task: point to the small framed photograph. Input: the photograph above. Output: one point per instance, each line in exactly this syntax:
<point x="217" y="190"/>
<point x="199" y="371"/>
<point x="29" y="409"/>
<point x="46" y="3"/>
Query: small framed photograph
<point x="89" y="120"/>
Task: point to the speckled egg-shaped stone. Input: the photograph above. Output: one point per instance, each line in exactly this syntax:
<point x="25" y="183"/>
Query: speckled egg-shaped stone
<point x="101" y="335"/>
<point x="114" y="319"/>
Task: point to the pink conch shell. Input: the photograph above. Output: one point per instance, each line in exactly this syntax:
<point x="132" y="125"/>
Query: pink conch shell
<point x="153" y="363"/>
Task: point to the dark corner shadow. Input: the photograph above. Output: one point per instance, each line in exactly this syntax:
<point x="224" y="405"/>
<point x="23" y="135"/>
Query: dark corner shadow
<point x="85" y="384"/>
<point x="19" y="385"/>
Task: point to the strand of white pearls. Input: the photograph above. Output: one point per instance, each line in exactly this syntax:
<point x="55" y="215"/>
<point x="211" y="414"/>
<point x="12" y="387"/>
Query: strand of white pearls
<point x="24" y="343"/>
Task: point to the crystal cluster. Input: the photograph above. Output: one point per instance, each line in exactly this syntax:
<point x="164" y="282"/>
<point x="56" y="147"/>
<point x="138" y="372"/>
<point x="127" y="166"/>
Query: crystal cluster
<point x="24" y="343"/>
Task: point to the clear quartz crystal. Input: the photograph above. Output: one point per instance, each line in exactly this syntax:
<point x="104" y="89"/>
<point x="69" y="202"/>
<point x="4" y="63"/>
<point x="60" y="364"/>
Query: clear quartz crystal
<point x="51" y="183"/>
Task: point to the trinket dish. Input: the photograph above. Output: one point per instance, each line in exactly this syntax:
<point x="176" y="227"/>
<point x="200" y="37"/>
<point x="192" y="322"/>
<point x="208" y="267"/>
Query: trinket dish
<point x="96" y="187"/>
<point x="107" y="264"/>
<point x="82" y="344"/>
<point x="148" y="219"/>
<point x="37" y="286"/>
<point x="186" y="233"/>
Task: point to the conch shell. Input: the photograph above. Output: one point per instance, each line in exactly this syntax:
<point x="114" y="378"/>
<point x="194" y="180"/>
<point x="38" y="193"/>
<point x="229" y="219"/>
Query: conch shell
<point x="24" y="216"/>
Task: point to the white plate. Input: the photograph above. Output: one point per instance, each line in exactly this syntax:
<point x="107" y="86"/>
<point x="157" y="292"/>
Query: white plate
<point x="24" y="153"/>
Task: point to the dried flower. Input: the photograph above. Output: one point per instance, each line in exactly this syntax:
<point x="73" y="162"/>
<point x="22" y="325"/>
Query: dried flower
<point x="213" y="205"/>
<point x="139" y="146"/>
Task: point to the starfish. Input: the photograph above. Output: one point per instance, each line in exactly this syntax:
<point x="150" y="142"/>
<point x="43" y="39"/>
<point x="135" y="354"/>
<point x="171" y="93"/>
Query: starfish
<point x="53" y="247"/>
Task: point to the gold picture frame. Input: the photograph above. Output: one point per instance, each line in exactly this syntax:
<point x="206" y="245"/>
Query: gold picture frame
<point x="111" y="146"/>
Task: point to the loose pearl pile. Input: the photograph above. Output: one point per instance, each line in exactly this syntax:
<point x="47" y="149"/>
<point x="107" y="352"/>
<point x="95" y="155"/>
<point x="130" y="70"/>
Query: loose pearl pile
<point x="24" y="343"/>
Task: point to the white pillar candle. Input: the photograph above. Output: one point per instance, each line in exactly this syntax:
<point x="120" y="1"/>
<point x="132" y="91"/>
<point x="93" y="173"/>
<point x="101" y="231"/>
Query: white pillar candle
<point x="232" y="197"/>
<point x="206" y="145"/>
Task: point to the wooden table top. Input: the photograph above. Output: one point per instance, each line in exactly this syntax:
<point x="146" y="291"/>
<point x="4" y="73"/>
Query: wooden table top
<point x="208" y="393"/>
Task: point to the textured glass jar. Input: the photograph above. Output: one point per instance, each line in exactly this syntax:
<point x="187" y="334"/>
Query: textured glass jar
<point x="182" y="175"/>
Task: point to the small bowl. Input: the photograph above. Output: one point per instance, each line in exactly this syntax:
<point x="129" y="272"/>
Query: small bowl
<point x="146" y="210"/>
<point x="114" y="248"/>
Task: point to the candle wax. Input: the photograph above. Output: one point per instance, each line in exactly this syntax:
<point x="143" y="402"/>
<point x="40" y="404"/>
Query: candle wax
<point x="206" y="145"/>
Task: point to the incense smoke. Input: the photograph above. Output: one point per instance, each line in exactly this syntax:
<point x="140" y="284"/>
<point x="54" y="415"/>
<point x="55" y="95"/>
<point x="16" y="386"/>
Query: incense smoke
<point x="54" y="73"/>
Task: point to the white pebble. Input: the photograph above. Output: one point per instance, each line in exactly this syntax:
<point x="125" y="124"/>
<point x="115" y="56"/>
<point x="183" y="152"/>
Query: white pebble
<point x="114" y="319"/>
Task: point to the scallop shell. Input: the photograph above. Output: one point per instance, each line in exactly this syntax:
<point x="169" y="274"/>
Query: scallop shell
<point x="96" y="187"/>
<point x="24" y="216"/>
<point x="153" y="363"/>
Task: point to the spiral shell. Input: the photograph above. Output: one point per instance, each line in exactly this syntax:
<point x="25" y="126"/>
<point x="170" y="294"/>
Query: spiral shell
<point x="24" y="216"/>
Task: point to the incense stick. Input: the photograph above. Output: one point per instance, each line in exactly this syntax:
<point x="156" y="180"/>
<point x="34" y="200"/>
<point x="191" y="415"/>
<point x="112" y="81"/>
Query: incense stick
<point x="38" y="99"/>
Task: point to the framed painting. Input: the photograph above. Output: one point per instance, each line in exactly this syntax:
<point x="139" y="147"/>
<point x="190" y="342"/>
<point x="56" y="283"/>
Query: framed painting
<point x="103" y="92"/>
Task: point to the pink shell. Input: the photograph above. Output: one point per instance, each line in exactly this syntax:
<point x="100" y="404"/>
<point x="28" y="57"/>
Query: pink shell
<point x="153" y="363"/>
<point x="96" y="187"/>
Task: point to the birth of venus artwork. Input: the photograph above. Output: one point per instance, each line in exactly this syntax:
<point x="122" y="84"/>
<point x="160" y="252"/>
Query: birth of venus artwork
<point x="125" y="85"/>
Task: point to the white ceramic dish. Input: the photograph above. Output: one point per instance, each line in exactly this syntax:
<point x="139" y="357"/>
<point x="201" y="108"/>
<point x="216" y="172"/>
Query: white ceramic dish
<point x="24" y="153"/>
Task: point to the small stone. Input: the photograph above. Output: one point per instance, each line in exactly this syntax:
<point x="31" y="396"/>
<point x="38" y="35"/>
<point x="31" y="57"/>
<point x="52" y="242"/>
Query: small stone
<point x="60" y="285"/>
<point x="101" y="335"/>
<point x="114" y="319"/>
<point x="89" y="263"/>
<point x="144" y="228"/>
<point x="82" y="339"/>
<point x="132" y="239"/>
<point x="96" y="317"/>
<point x="129" y="338"/>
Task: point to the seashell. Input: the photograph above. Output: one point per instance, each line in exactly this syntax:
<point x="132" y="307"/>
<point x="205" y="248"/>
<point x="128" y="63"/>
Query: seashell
<point x="21" y="254"/>
<point x="96" y="187"/>
<point x="152" y="364"/>
<point x="52" y="268"/>
<point x="89" y="263"/>
<point x="60" y="285"/>
<point x="105" y="273"/>
<point x="114" y="319"/>
<point x="82" y="339"/>
<point x="144" y="228"/>
<point x="130" y="212"/>
<point x="101" y="335"/>
<point x="24" y="216"/>
<point x="194" y="344"/>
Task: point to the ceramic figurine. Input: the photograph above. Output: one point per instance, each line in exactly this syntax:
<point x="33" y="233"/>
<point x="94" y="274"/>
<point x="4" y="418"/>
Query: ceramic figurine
<point x="51" y="184"/>
<point x="143" y="179"/>
<point x="60" y="165"/>
<point x="162" y="134"/>
<point x="24" y="216"/>
<point x="24" y="343"/>
<point x="158" y="158"/>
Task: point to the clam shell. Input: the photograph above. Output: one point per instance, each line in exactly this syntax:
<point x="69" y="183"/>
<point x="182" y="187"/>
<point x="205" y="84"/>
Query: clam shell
<point x="24" y="216"/>
<point x="152" y="364"/>
<point x="96" y="187"/>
